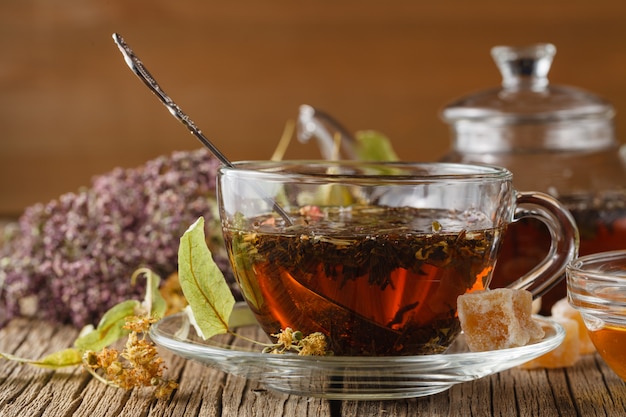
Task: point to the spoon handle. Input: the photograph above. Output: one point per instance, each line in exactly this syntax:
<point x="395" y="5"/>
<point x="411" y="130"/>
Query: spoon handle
<point x="134" y="63"/>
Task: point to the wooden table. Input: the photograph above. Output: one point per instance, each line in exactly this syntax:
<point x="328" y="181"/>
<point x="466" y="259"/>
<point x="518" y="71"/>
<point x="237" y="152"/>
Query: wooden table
<point x="588" y="389"/>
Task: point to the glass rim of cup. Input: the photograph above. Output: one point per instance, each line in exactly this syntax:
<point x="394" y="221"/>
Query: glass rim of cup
<point x="355" y="170"/>
<point x="600" y="266"/>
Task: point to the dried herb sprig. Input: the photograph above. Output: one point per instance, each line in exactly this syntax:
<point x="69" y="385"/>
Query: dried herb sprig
<point x="138" y="364"/>
<point x="289" y="340"/>
<point x="68" y="260"/>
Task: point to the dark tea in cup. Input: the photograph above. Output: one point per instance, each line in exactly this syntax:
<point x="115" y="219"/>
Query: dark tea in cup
<point x="373" y="256"/>
<point x="393" y="290"/>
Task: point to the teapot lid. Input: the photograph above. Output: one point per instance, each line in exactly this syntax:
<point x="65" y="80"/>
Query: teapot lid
<point x="526" y="95"/>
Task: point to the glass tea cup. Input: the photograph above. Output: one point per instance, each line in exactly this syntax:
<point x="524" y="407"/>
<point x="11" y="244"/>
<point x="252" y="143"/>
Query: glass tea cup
<point x="596" y="286"/>
<point x="374" y="255"/>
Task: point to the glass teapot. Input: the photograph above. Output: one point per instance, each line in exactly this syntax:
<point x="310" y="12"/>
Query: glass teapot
<point x="555" y="139"/>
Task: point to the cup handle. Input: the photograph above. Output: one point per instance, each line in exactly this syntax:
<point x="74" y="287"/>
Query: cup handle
<point x="564" y="245"/>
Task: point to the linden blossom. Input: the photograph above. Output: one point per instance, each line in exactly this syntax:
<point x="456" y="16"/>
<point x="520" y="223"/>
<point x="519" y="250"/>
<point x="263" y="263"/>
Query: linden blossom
<point x="288" y="340"/>
<point x="138" y="365"/>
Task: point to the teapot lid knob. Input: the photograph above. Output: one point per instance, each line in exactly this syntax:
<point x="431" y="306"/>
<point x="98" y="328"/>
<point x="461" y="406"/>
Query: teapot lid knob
<point x="524" y="67"/>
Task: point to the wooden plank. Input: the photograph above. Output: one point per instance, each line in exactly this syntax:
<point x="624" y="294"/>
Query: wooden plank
<point x="593" y="386"/>
<point x="533" y="394"/>
<point x="243" y="397"/>
<point x="588" y="389"/>
<point x="199" y="393"/>
<point x="26" y="390"/>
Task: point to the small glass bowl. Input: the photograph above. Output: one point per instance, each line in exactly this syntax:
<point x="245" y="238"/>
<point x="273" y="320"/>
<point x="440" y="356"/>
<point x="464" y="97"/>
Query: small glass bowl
<point x="596" y="286"/>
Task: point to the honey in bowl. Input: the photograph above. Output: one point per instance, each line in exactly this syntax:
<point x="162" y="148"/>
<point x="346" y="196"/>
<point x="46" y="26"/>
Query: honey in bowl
<point x="610" y="341"/>
<point x="596" y="286"/>
<point x="371" y="290"/>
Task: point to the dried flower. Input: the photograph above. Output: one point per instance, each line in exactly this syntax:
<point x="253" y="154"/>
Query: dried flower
<point x="314" y="344"/>
<point x="73" y="255"/>
<point x="137" y="365"/>
<point x="172" y="292"/>
<point x="293" y="340"/>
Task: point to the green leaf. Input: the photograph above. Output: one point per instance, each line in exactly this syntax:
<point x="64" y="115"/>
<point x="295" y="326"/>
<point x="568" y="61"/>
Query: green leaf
<point x="110" y="329"/>
<point x="153" y="302"/>
<point x="60" y="359"/>
<point x="202" y="282"/>
<point x="242" y="317"/>
<point x="374" y="146"/>
<point x="333" y="195"/>
<point x="243" y="254"/>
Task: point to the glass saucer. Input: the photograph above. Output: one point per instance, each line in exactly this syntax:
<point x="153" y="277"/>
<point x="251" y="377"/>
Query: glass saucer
<point x="342" y="377"/>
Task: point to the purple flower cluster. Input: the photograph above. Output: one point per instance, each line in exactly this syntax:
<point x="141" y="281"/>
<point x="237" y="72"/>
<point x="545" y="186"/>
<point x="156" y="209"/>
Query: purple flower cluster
<point x="71" y="259"/>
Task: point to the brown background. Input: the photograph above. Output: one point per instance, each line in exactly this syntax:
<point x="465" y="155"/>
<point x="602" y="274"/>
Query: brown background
<point x="70" y="108"/>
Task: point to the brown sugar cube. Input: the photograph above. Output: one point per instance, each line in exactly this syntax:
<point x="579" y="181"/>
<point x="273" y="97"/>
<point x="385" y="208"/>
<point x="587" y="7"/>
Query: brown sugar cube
<point x="563" y="309"/>
<point x="566" y="354"/>
<point x="498" y="319"/>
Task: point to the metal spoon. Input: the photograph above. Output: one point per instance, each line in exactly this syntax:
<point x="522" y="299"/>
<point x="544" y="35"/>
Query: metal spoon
<point x="135" y="64"/>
